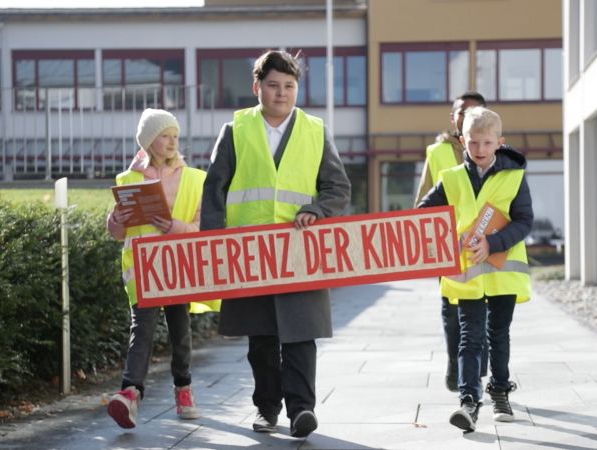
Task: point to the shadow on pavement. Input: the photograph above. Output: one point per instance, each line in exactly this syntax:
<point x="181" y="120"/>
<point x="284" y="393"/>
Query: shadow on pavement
<point x="280" y="439"/>
<point x="356" y="299"/>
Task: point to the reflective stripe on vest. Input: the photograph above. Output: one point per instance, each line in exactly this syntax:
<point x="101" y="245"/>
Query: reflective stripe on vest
<point x="440" y="156"/>
<point x="261" y="194"/>
<point x="258" y="194"/>
<point x="185" y="207"/>
<point x="477" y="281"/>
<point x="483" y="268"/>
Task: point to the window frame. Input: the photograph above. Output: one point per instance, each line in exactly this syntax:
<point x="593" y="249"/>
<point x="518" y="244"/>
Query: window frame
<point x="36" y="56"/>
<point x="403" y="48"/>
<point x="155" y="54"/>
<point x="221" y="54"/>
<point x="529" y="44"/>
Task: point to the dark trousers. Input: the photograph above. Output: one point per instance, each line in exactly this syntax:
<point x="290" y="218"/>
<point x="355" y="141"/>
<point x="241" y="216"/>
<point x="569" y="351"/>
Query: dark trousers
<point x="288" y="374"/>
<point x="452" y="335"/>
<point x="480" y="319"/>
<point x="143" y="323"/>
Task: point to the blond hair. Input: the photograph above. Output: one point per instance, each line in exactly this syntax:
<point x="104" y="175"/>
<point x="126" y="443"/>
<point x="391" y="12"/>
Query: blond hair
<point x="480" y="118"/>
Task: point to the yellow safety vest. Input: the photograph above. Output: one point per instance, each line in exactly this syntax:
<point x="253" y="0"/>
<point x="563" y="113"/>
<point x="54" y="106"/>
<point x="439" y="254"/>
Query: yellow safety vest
<point x="260" y="194"/>
<point x="477" y="281"/>
<point x="440" y="156"/>
<point x="185" y="207"/>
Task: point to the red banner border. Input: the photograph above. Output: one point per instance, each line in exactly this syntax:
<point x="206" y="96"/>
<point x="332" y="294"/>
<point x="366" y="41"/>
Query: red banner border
<point x="300" y="286"/>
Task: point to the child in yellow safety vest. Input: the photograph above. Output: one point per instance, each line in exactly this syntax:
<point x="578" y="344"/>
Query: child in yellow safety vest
<point x="158" y="158"/>
<point x="274" y="163"/>
<point x="486" y="295"/>
<point x="445" y="153"/>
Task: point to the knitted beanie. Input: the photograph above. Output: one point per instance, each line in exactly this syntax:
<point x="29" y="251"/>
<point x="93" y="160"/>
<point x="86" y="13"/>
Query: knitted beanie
<point x="152" y="123"/>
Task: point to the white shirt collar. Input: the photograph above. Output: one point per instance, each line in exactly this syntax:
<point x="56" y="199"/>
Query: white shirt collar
<point x="280" y="128"/>
<point x="274" y="134"/>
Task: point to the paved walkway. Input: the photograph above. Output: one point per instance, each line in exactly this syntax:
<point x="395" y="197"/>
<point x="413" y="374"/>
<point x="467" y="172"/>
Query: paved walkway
<point x="379" y="385"/>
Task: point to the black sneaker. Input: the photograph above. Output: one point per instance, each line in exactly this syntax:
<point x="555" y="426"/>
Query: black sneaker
<point x="303" y="424"/>
<point x="466" y="417"/>
<point x="265" y="423"/>
<point x="502" y="411"/>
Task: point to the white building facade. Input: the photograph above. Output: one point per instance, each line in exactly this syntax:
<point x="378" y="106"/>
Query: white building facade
<point x="74" y="82"/>
<point x="580" y="138"/>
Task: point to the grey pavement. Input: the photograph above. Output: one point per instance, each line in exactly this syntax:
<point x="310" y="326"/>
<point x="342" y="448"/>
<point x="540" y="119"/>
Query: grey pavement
<point x="379" y="385"/>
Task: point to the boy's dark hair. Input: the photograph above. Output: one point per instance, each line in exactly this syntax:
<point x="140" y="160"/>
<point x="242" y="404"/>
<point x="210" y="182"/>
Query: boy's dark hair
<point x="276" y="60"/>
<point x="473" y="95"/>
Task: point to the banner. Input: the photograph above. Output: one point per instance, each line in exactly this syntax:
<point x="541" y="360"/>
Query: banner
<point x="271" y="259"/>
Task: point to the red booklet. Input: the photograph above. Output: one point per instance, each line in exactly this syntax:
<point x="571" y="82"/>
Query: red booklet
<point x="489" y="221"/>
<point x="147" y="199"/>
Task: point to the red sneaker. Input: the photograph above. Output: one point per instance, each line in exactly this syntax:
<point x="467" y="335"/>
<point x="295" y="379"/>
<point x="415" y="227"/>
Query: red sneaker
<point x="123" y="407"/>
<point x="185" y="405"/>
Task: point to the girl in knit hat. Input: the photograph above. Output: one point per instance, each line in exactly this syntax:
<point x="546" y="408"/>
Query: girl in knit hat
<point x="158" y="158"/>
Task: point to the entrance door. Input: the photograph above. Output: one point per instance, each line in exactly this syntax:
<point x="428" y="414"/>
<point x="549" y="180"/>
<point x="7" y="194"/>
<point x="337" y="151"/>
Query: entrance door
<point x="396" y="184"/>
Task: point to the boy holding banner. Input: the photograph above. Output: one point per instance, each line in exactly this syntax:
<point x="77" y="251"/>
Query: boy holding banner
<point x="276" y="164"/>
<point x="486" y="295"/>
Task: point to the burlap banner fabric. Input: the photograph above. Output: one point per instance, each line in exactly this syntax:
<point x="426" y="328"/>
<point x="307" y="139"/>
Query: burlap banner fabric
<point x="269" y="259"/>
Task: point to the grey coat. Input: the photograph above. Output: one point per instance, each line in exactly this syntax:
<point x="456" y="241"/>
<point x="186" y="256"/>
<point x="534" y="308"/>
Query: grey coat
<point x="293" y="317"/>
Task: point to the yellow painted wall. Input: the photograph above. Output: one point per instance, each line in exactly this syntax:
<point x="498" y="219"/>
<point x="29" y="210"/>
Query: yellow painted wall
<point x="452" y="21"/>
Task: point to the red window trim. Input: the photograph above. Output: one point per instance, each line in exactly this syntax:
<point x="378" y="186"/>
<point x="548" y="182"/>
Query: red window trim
<point x="306" y="52"/>
<point x="520" y="44"/>
<point x="527" y="44"/>
<point x="161" y="55"/>
<point x="36" y="55"/>
<point x="402" y="48"/>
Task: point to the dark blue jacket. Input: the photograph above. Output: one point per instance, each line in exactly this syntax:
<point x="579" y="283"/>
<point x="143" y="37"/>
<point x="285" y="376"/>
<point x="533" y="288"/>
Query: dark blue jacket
<point x="521" y="208"/>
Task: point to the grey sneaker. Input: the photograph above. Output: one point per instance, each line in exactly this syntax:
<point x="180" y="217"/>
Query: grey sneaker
<point x="465" y="418"/>
<point x="303" y="424"/>
<point x="265" y="423"/>
<point x="502" y="411"/>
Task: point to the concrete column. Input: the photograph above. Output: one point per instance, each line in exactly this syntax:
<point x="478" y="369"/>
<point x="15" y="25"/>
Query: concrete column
<point x="99" y="80"/>
<point x="588" y="203"/>
<point x="572" y="205"/>
<point x="190" y="95"/>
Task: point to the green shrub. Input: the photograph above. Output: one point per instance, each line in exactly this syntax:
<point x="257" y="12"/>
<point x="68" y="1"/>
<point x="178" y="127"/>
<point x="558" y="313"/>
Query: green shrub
<point x="31" y="295"/>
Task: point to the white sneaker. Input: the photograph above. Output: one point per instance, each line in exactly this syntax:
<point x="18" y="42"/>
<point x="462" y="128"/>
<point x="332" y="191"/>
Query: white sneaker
<point x="185" y="404"/>
<point x="123" y="407"/>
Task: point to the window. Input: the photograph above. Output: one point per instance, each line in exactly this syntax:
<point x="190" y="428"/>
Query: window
<point x="137" y="79"/>
<point x="350" y="77"/>
<point x="225" y="77"/>
<point x="520" y="71"/>
<point x="590" y="27"/>
<point x="423" y="73"/>
<point x="61" y="78"/>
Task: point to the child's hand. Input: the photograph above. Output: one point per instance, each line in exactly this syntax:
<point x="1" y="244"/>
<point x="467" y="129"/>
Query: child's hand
<point x="303" y="220"/>
<point x="161" y="224"/>
<point x="120" y="214"/>
<point x="480" y="251"/>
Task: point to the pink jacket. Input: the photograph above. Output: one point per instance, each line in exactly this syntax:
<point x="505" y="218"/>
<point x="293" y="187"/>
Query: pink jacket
<point x="170" y="176"/>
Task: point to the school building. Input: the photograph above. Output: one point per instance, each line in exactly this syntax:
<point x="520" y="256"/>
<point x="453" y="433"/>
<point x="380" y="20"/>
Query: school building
<point x="580" y="138"/>
<point x="75" y="81"/>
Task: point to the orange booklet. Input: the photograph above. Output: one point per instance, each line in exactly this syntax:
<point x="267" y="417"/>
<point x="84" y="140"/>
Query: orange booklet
<point x="147" y="199"/>
<point x="489" y="221"/>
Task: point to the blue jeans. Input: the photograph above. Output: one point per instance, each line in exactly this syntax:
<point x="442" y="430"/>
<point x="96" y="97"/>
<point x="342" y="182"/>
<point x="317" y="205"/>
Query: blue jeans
<point x="490" y="316"/>
<point x="452" y="335"/>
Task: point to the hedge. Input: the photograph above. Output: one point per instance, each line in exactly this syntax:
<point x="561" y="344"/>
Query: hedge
<point x="31" y="295"/>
